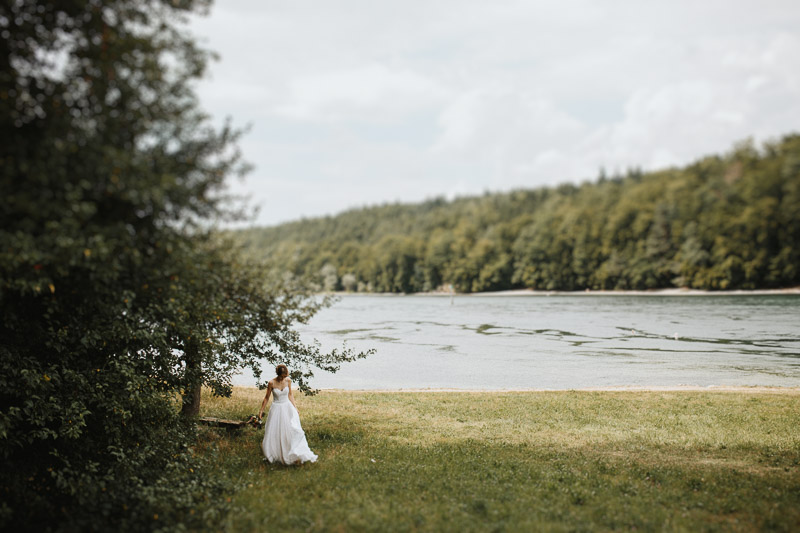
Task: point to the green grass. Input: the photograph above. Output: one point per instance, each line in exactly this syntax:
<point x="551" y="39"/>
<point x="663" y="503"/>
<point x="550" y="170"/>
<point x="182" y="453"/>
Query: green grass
<point x="521" y="461"/>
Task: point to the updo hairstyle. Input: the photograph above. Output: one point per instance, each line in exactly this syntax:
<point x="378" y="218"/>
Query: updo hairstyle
<point x="281" y="372"/>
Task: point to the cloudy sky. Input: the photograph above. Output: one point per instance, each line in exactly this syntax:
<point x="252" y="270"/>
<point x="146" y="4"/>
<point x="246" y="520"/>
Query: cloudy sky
<point x="355" y="103"/>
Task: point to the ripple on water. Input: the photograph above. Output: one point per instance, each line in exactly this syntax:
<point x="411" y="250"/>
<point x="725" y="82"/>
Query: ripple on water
<point x="564" y="341"/>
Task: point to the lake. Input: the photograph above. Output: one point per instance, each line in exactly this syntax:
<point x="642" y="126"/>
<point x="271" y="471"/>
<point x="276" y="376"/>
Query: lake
<point x="561" y="341"/>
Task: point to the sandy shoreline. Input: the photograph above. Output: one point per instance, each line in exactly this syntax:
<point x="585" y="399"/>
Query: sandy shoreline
<point x="532" y="292"/>
<point x="655" y="292"/>
<point x="675" y="388"/>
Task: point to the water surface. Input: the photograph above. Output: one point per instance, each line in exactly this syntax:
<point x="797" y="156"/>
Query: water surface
<point x="561" y="341"/>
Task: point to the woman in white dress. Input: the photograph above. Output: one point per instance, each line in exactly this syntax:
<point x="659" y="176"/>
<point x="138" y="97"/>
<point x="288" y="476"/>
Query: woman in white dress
<point x="284" y="439"/>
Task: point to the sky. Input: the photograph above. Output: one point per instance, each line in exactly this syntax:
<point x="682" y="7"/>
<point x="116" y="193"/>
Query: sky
<point x="354" y="103"/>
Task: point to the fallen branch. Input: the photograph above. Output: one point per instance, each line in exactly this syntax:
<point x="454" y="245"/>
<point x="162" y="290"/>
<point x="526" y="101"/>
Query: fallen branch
<point x="230" y="425"/>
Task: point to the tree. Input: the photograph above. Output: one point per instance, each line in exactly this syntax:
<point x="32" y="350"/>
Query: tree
<point x="232" y="314"/>
<point x="349" y="282"/>
<point x="115" y="295"/>
<point x="329" y="277"/>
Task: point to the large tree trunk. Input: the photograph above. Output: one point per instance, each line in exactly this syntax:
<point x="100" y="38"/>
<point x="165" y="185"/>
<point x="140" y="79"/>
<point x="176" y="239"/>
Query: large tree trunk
<point x="191" y="401"/>
<point x="194" y="382"/>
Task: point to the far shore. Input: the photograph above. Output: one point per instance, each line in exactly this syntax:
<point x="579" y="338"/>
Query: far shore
<point x="682" y="291"/>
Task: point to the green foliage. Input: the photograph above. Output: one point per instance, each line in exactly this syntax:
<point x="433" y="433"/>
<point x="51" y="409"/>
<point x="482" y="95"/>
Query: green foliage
<point x="226" y="312"/>
<point x="91" y="449"/>
<point x="115" y="297"/>
<point x="729" y="222"/>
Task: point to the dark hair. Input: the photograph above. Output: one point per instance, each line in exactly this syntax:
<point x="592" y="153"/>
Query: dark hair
<point x="281" y="371"/>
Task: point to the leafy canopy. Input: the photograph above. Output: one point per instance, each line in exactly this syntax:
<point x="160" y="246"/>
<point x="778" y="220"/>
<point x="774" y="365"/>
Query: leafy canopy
<point x="115" y="296"/>
<point x="723" y="222"/>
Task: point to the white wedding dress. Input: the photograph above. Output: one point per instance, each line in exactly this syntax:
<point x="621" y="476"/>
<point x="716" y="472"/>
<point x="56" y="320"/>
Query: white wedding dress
<point x="284" y="439"/>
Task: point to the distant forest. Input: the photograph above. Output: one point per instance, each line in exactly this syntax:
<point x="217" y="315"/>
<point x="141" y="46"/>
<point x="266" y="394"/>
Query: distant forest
<point x="724" y="222"/>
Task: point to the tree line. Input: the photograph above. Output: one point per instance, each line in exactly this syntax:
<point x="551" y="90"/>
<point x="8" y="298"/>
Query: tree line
<point x="117" y="301"/>
<point x="727" y="221"/>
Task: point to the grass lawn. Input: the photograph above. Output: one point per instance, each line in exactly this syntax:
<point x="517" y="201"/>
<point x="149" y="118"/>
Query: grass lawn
<point x="521" y="461"/>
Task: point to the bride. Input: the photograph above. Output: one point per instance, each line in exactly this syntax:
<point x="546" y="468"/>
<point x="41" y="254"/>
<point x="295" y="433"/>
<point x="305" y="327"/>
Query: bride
<point x="284" y="439"/>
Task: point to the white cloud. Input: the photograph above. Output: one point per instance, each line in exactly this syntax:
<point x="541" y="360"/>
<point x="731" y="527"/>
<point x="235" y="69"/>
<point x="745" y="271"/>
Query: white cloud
<point x="373" y="91"/>
<point x="360" y="102"/>
<point x="510" y="131"/>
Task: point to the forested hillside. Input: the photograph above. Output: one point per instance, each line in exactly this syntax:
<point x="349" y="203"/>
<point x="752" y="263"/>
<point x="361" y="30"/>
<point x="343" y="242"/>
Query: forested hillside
<point x="724" y="222"/>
